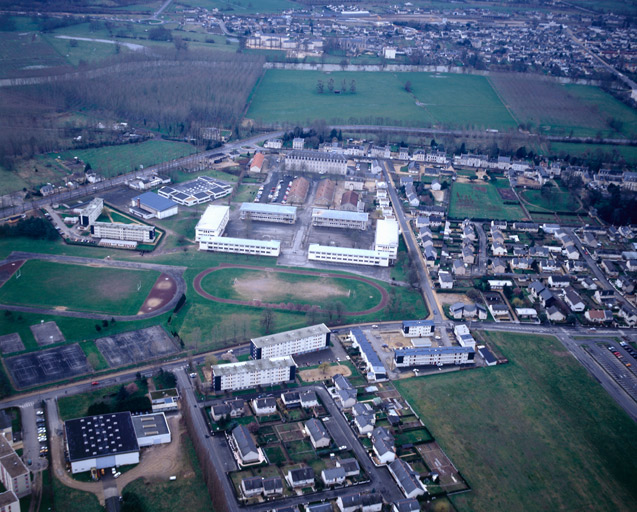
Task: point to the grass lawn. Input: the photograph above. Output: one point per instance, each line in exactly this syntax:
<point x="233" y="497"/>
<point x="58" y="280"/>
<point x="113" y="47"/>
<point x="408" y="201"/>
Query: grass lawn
<point x="244" y="7"/>
<point x="482" y="200"/>
<point x="536" y="434"/>
<point x="167" y="496"/>
<point x="72" y="500"/>
<point x="107" y="290"/>
<point x="603" y="152"/>
<point x="558" y="200"/>
<point x="115" y="160"/>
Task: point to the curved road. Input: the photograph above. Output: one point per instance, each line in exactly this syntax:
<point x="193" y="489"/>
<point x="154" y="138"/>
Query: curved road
<point x="175" y="273"/>
<point x="198" y="288"/>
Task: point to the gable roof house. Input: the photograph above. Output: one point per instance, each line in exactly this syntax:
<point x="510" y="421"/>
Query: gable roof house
<point x="318" y="435"/>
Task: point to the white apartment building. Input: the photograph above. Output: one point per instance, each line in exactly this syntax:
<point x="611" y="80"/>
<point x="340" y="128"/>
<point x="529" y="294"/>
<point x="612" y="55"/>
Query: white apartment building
<point x="304" y="160"/>
<point x="250" y="374"/>
<point x="387" y="237"/>
<point x="240" y="245"/>
<point x="330" y="254"/>
<point x="289" y="343"/>
<point x="121" y="231"/>
<point x="429" y="356"/>
<point x="89" y="214"/>
<point x="14" y="475"/>
<point x="213" y="222"/>
<point x="339" y="219"/>
<point x="268" y="213"/>
<point x="417" y="328"/>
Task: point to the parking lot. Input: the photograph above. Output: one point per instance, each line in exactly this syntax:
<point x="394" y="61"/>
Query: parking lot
<point x="615" y="366"/>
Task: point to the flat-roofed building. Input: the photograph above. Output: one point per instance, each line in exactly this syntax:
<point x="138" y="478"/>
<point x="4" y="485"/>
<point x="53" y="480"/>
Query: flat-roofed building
<point x="346" y="255"/>
<point x="149" y="204"/>
<point x="89" y="214"/>
<point x="339" y="219"/>
<point x="427" y="356"/>
<point x="151" y="429"/>
<point x="164" y="400"/>
<point x="250" y="374"/>
<point x="14" y="475"/>
<point x="387" y="237"/>
<point x="102" y="441"/>
<point x="289" y="343"/>
<point x="199" y="191"/>
<point x="240" y="245"/>
<point x="417" y="328"/>
<point x="321" y="162"/>
<point x="121" y="231"/>
<point x="213" y="222"/>
<point x="268" y="213"/>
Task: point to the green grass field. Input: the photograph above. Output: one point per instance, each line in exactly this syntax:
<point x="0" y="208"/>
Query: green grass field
<point x="558" y="200"/>
<point x="79" y="288"/>
<point x="482" y="200"/>
<point x="380" y="98"/>
<point x="536" y="434"/>
<point x="602" y="152"/>
<point x="244" y="6"/>
<point x="114" y="160"/>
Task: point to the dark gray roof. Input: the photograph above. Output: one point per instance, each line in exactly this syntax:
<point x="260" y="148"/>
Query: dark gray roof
<point x="405" y="475"/>
<point x="272" y="484"/>
<point x="147" y="425"/>
<point x="349" y="465"/>
<point x="97" y="436"/>
<point x="333" y="473"/>
<point x="301" y="474"/>
<point x="316" y="429"/>
<point x="244" y="440"/>
<point x="252" y="484"/>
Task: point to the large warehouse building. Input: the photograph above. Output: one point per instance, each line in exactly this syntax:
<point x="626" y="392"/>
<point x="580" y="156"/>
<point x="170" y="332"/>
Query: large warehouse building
<point x="121" y="231"/>
<point x="268" y="213"/>
<point x="102" y="441"/>
<point x="213" y="222"/>
<point x="240" y="245"/>
<point x="339" y="219"/>
<point x="428" y="356"/>
<point x="303" y="160"/>
<point x="250" y="374"/>
<point x="347" y="255"/>
<point x="201" y="190"/>
<point x="149" y="205"/>
<point x="289" y="343"/>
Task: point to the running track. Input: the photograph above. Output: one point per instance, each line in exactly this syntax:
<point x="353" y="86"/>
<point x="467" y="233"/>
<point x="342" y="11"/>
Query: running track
<point x="300" y="307"/>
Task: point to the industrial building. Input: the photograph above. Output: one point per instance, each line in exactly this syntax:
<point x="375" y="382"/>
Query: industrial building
<point x="339" y="219"/>
<point x="213" y="222"/>
<point x="417" y="328"/>
<point x="121" y="231"/>
<point x="303" y="160"/>
<point x="331" y="254"/>
<point x="268" y="213"/>
<point x="149" y="205"/>
<point x="199" y="191"/>
<point x="102" y="441"/>
<point x="387" y="237"/>
<point x="289" y="343"/>
<point x="250" y="374"/>
<point x="374" y="366"/>
<point x="240" y="245"/>
<point x="89" y="214"/>
<point x="14" y="475"/>
<point x="428" y="356"/>
<point x="151" y="429"/>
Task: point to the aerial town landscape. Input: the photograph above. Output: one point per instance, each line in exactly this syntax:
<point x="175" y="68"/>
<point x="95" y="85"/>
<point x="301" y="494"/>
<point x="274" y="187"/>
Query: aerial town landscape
<point x="301" y="256"/>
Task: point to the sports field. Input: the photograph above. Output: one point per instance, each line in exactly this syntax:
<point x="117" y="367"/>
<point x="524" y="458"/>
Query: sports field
<point x="380" y="98"/>
<point x="78" y="287"/>
<point x="114" y="160"/>
<point x="536" y="434"/>
<point x="555" y="109"/>
<point x="483" y="201"/>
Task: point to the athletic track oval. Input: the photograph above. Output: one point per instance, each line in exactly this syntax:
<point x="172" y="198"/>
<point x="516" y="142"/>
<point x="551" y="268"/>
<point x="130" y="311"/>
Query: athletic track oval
<point x="286" y="306"/>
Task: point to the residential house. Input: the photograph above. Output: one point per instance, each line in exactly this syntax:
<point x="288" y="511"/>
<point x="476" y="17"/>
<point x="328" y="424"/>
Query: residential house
<point x="365" y="423"/>
<point x="498" y="249"/>
<point x="599" y="316"/>
<point x="300" y="477"/>
<point x="291" y="399"/>
<point x="498" y="266"/>
<point x="629" y="315"/>
<point x="272" y="486"/>
<point x="309" y="399"/>
<point x="318" y="435"/>
<point x="555" y="281"/>
<point x="573" y="300"/>
<point x="605" y="297"/>
<point x="407" y="479"/>
<point x="554" y="314"/>
<point x="458" y="268"/>
<point x="264" y="406"/>
<point x="245" y="445"/>
<point x="252" y="486"/>
<point x="350" y="466"/>
<point x="406" y="505"/>
<point x="445" y="280"/>
<point x="333" y="476"/>
<point x="383" y="445"/>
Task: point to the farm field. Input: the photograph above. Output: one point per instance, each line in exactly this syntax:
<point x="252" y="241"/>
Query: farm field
<point x="602" y="152"/>
<point x="55" y="285"/>
<point x="536" y="434"/>
<point x="243" y="6"/>
<point x="482" y="201"/>
<point x="114" y="160"/>
<point x="554" y="109"/>
<point x="25" y="51"/>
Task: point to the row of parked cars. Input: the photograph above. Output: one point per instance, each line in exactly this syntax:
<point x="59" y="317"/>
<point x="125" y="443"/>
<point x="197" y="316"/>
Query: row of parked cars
<point x="42" y="433"/>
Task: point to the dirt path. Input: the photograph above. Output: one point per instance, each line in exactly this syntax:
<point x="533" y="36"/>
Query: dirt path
<point x="36" y="492"/>
<point x="298" y="307"/>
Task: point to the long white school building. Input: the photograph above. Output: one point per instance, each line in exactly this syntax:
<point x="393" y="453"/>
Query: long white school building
<point x="250" y="374"/>
<point x="330" y="254"/>
<point x="240" y="245"/>
<point x="289" y="343"/>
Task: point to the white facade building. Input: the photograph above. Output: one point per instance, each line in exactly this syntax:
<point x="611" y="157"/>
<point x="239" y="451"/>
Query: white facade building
<point x="417" y="328"/>
<point x="151" y="429"/>
<point x="14" y="475"/>
<point x="387" y="237"/>
<point x="268" y="213"/>
<point x="121" y="231"/>
<point x="339" y="219"/>
<point x="316" y="161"/>
<point x="427" y="356"/>
<point x="330" y="254"/>
<point x="89" y="214"/>
<point x="213" y="222"/>
<point x="240" y="245"/>
<point x="250" y="374"/>
<point x="289" y="343"/>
